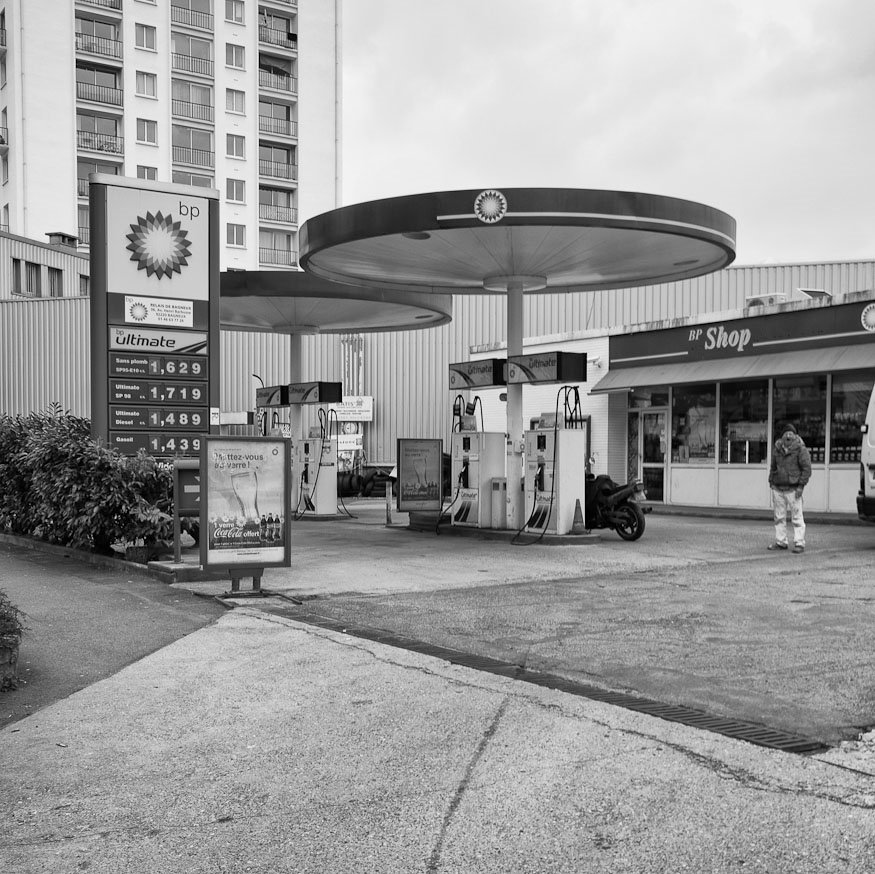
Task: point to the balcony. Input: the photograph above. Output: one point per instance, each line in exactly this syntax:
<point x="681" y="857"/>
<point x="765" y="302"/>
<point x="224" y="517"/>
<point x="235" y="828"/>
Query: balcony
<point x="181" y="15"/>
<point x="288" y="84"/>
<point x="191" y="64"/>
<point x="3" y="40"/>
<point x="98" y="45"/>
<point x="103" y="4"/>
<point x="193" y="157"/>
<point x="271" y="213"/>
<point x="4" y="139"/>
<point x="269" y="125"/>
<point x="275" y="37"/>
<point x="284" y="257"/>
<point x="95" y="142"/>
<point x="186" y="109"/>
<point x="98" y="93"/>
<point x="84" y="235"/>
<point x="278" y="171"/>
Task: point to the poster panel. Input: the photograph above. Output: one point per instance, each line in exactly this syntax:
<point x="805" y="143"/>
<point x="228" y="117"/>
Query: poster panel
<point x="419" y="466"/>
<point x="245" y="497"/>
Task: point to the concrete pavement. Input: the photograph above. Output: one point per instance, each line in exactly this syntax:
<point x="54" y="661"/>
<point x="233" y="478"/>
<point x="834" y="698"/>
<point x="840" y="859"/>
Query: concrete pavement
<point x="258" y="743"/>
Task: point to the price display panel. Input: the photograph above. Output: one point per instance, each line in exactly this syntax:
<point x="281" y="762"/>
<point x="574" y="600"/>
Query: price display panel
<point x="166" y="418"/>
<point x="146" y="391"/>
<point x="171" y="443"/>
<point x="182" y="366"/>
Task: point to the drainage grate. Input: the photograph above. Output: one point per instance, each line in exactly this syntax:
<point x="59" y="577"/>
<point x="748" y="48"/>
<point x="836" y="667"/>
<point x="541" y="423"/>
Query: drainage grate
<point x="735" y="728"/>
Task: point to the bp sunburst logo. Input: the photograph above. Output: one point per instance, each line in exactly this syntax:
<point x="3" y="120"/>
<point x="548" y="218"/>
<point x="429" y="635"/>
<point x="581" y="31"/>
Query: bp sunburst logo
<point x="490" y="206"/>
<point x="138" y="312"/>
<point x="159" y="245"/>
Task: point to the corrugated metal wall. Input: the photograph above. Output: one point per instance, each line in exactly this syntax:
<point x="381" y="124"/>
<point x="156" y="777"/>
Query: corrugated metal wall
<point x="44" y="345"/>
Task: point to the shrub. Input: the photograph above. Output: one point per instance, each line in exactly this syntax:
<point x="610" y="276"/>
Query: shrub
<point x="11" y="630"/>
<point x="60" y="485"/>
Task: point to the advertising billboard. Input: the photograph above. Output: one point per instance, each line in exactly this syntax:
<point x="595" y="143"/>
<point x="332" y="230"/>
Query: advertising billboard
<point x="154" y="315"/>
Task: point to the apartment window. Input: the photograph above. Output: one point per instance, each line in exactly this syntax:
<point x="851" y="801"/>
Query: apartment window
<point x="96" y="76"/>
<point x="56" y="282"/>
<point x="97" y="124"/>
<point x="236" y="146"/>
<point x="147" y="84"/>
<point x="144" y="172"/>
<point x="83" y="285"/>
<point x="100" y="29"/>
<point x="4" y="169"/>
<point x="191" y="92"/>
<point x="236" y="235"/>
<point x="235" y="101"/>
<point x="234" y="56"/>
<point x="145" y="37"/>
<point x="183" y="177"/>
<point x="147" y="131"/>
<point x="234" y="11"/>
<point x="2" y="72"/>
<point x="16" y="276"/>
<point x="235" y="190"/>
<point x="32" y="279"/>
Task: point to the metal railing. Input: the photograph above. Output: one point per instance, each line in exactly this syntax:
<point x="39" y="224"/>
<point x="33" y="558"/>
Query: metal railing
<point x="82" y="187"/>
<point x="275" y="37"/>
<point x="191" y="64"/>
<point x="84" y="234"/>
<point x="181" y="15"/>
<point x="2" y="37"/>
<point x="195" y="157"/>
<point x="271" y="213"/>
<point x="98" y="93"/>
<point x="187" y="109"/>
<point x="278" y="170"/>
<point x="4" y="136"/>
<point x="106" y="4"/>
<point x="285" y="257"/>
<point x="86" y="139"/>
<point x="278" y="83"/>
<point x="98" y="45"/>
<point x="270" y="125"/>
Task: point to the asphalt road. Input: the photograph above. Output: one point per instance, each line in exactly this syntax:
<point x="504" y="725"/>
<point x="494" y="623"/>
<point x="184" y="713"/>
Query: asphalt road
<point x="85" y="623"/>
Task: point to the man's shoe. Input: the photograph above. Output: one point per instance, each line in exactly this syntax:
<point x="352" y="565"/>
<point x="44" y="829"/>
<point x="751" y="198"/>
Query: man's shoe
<point x="772" y="546"/>
<point x="798" y="548"/>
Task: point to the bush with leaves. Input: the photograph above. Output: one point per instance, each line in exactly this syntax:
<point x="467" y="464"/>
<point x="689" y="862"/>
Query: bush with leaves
<point x="60" y="485"/>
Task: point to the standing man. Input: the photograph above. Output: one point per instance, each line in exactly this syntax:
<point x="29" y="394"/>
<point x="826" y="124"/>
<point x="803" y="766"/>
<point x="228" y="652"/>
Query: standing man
<point x="788" y="475"/>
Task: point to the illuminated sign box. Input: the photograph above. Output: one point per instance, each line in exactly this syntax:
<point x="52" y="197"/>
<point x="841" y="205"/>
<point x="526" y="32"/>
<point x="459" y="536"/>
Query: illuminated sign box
<point x="476" y="374"/>
<point x="547" y="367"/>
<point x="272" y="396"/>
<point x="315" y="392"/>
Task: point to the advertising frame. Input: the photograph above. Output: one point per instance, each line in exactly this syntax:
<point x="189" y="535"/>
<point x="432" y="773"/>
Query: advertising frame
<point x="248" y="543"/>
<point x="419" y="481"/>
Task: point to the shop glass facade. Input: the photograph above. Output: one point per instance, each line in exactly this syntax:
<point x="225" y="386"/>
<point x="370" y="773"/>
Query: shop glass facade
<point x="849" y="399"/>
<point x="744" y="422"/>
<point x="802" y="401"/>
<point x="694" y="424"/>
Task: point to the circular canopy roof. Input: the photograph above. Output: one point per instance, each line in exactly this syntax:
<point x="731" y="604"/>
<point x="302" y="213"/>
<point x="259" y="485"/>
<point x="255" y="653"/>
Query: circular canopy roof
<point x="542" y="239"/>
<point x="292" y="302"/>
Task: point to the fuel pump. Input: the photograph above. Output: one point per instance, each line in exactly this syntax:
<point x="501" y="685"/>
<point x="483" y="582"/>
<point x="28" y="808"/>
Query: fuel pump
<point x="477" y="458"/>
<point x="555" y="467"/>
<point x="315" y="470"/>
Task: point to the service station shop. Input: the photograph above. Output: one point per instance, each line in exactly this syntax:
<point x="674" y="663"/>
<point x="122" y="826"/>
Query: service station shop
<point x="698" y="402"/>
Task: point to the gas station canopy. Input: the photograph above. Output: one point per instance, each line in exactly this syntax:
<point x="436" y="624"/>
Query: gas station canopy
<point x="536" y="239"/>
<point x="292" y="302"/>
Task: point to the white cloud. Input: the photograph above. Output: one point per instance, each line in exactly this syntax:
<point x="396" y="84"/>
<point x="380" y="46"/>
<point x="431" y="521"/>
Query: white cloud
<point x="763" y="110"/>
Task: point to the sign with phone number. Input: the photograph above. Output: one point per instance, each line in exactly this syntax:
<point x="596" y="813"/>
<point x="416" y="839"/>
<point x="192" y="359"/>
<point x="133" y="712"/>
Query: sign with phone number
<point x="179" y="443"/>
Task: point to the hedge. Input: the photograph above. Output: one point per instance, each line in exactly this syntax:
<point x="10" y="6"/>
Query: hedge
<point x="59" y="485"/>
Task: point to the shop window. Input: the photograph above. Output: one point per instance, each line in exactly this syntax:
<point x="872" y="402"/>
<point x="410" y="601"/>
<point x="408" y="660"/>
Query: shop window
<point x="850" y="398"/>
<point x="646" y="396"/>
<point x="694" y="424"/>
<point x="744" y="422"/>
<point x="802" y="401"/>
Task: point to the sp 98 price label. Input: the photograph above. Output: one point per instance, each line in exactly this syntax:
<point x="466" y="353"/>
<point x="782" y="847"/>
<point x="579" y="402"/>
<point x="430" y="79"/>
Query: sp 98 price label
<point x="144" y="391"/>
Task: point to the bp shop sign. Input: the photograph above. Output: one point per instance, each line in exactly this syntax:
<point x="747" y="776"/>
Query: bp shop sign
<point x="245" y="493"/>
<point x="835" y="325"/>
<point x="154" y="315"/>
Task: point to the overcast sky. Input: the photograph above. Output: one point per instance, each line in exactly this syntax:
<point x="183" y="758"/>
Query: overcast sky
<point x="764" y="109"/>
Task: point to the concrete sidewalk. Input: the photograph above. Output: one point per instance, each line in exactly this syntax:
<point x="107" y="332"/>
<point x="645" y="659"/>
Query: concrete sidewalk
<point x="262" y="744"/>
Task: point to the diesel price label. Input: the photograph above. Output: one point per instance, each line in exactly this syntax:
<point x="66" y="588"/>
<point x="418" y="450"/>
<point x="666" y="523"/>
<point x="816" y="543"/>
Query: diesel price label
<point x="147" y="391"/>
<point x="140" y="418"/>
<point x="173" y="366"/>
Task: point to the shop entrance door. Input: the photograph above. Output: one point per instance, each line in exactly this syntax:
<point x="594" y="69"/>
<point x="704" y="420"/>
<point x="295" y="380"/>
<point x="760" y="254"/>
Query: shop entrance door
<point x="653" y="446"/>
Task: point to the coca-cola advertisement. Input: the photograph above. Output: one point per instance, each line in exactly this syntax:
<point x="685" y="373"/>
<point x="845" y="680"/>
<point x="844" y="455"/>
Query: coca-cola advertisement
<point x="247" y="502"/>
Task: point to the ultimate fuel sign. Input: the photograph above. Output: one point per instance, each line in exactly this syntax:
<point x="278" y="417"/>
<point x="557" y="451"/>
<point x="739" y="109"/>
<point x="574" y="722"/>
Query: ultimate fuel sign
<point x="154" y="315"/>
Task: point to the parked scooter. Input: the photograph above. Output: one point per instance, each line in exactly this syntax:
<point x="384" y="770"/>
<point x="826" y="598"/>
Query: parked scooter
<point x="619" y="507"/>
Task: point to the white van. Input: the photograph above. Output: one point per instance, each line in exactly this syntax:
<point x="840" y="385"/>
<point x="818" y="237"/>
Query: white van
<point x="866" y="495"/>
